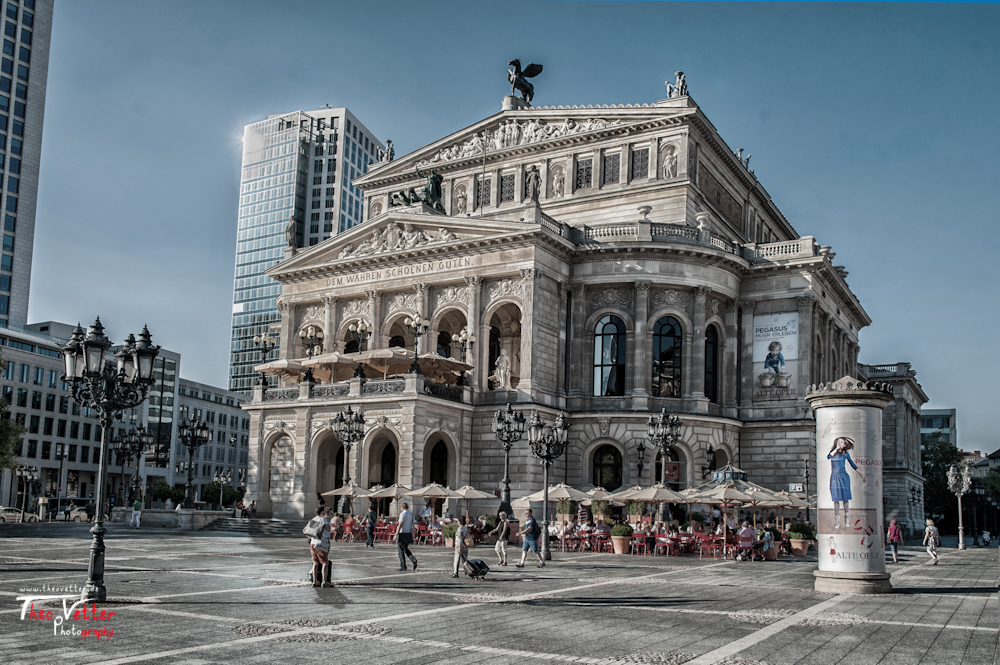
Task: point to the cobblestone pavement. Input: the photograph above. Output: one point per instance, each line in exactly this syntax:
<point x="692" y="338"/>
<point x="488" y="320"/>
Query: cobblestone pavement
<point x="214" y="598"/>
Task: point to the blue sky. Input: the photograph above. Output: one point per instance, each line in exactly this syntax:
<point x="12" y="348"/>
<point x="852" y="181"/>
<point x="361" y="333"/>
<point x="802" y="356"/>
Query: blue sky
<point x="873" y="127"/>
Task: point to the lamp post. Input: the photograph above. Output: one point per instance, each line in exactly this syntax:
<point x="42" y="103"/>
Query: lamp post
<point x="466" y="339"/>
<point x="265" y="343"/>
<point x="350" y="428"/>
<point x="312" y="341"/>
<point x="60" y="455"/>
<point x="109" y="390"/>
<point x="139" y="439"/>
<point x="363" y="331"/>
<point x="417" y="327"/>
<point x="26" y="475"/>
<point x="547" y="446"/>
<point x="223" y="479"/>
<point x="959" y="484"/>
<point x="508" y="426"/>
<point x="193" y="434"/>
<point x="710" y="467"/>
<point x="663" y="432"/>
<point x="641" y="448"/>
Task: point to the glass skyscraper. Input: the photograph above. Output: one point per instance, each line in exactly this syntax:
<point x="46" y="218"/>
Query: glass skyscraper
<point x="299" y="165"/>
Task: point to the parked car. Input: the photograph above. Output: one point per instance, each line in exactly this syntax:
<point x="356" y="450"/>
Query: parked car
<point x="14" y="515"/>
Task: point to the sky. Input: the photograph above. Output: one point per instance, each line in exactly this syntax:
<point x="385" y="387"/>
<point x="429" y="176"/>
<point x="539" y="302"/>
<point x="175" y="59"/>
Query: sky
<point x="872" y="126"/>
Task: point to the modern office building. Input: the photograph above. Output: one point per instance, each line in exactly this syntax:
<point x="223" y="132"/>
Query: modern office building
<point x="64" y="440"/>
<point x="296" y="166"/>
<point x="939" y="420"/>
<point x="25" y="64"/>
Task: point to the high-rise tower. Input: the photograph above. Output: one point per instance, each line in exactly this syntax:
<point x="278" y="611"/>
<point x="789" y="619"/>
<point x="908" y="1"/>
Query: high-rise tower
<point x="295" y="165"/>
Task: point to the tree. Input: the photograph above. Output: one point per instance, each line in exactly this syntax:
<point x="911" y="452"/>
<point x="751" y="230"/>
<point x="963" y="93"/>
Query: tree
<point x="991" y="481"/>
<point x="10" y="431"/>
<point x="162" y="490"/>
<point x="210" y="494"/>
<point x="937" y="456"/>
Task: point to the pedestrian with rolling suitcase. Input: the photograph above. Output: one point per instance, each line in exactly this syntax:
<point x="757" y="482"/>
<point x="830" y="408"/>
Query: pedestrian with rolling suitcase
<point x="460" y="547"/>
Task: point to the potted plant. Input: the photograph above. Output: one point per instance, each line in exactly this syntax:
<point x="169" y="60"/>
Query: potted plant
<point x="621" y="538"/>
<point x="601" y="510"/>
<point x="565" y="510"/>
<point x="800" y="535"/>
<point x="449" y="531"/>
<point x="636" y="509"/>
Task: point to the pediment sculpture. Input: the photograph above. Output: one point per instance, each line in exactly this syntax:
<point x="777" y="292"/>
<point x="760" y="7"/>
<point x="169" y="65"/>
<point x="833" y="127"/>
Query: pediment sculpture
<point x="392" y="238"/>
<point x="511" y="133"/>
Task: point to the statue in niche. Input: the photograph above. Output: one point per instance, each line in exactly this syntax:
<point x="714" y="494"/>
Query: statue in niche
<point x="533" y="183"/>
<point x="388" y="153"/>
<point x="558" y="182"/>
<point x="376" y="209"/>
<point x="679" y="88"/>
<point x="460" y="200"/>
<point x="501" y="371"/>
<point x="431" y="193"/>
<point x="669" y="160"/>
<point x="518" y="79"/>
<point x="290" y="232"/>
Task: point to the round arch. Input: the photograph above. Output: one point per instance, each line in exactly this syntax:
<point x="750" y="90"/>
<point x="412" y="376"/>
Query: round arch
<point x="502" y="333"/>
<point x="393" y="326"/>
<point x="433" y="473"/>
<point x="327" y="468"/>
<point x="345" y="336"/>
<point x="680" y="315"/>
<point x="590" y="450"/>
<point x="375" y="446"/>
<point x="598" y="314"/>
<point x="448" y="320"/>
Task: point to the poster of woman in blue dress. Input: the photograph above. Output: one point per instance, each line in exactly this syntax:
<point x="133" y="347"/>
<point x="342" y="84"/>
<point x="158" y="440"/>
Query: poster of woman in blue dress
<point x="840" y="481"/>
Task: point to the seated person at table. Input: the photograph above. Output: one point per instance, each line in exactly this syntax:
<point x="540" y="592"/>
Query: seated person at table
<point x="349" y="522"/>
<point x="338" y="525"/>
<point x="426" y="511"/>
<point x="745" y="536"/>
<point x="603" y="528"/>
<point x="766" y="537"/>
<point x="719" y="530"/>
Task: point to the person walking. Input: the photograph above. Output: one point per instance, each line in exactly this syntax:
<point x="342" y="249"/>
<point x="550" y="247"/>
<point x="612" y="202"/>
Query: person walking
<point x="404" y="536"/>
<point x="371" y="519"/>
<point x="932" y="539"/>
<point x="503" y="534"/>
<point x="460" y="547"/>
<point x="136" y="513"/>
<point x="894" y="537"/>
<point x="318" y="530"/>
<point x="530" y="535"/>
<point x="91" y="510"/>
<point x="253" y="509"/>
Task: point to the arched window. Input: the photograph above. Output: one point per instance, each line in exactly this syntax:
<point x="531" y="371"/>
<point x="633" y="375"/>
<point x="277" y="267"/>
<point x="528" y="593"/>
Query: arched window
<point x="444" y="344"/>
<point x="711" y="364"/>
<point x="609" y="357"/>
<point x="387" y="476"/>
<point x="397" y="340"/>
<point x="667" y="358"/>
<point x="608" y="468"/>
<point x="439" y="463"/>
<point x="338" y="466"/>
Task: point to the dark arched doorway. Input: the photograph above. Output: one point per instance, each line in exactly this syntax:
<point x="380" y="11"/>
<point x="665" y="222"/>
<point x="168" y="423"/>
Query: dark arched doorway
<point x="608" y="467"/>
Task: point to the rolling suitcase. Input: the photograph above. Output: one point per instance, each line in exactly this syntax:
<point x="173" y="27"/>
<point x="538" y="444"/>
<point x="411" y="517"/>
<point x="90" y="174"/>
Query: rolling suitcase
<point x="476" y="568"/>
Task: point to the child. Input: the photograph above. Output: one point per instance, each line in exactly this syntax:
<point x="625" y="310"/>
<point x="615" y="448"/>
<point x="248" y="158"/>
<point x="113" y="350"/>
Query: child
<point x="774" y="360"/>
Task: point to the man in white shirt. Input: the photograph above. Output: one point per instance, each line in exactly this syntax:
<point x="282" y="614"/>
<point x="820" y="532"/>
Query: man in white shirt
<point x="404" y="536"/>
<point x="426" y="512"/>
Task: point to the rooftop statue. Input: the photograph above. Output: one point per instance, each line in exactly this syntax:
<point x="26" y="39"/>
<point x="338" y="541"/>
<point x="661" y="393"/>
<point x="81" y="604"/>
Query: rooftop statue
<point x="388" y="153"/>
<point x="430" y="193"/>
<point x="290" y="232"/>
<point x="519" y="79"/>
<point x="679" y="88"/>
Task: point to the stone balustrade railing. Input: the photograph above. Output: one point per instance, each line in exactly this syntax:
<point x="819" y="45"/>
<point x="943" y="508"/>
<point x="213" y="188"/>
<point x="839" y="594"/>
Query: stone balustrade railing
<point x="803" y="247"/>
<point x="411" y="384"/>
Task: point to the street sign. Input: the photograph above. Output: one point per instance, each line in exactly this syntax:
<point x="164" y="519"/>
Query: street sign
<point x="795" y="487"/>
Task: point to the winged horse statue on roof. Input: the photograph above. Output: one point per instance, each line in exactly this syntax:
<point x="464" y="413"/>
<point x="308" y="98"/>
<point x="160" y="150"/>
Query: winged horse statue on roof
<point x="519" y="79"/>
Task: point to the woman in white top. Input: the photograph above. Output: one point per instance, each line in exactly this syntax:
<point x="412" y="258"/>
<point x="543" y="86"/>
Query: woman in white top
<point x="460" y="547"/>
<point x="932" y="538"/>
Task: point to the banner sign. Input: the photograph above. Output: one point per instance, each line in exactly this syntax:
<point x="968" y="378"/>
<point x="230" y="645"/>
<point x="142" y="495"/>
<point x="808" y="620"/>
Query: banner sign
<point x="775" y="356"/>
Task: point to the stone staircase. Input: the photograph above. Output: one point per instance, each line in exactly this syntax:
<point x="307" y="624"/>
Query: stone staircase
<point x="257" y="527"/>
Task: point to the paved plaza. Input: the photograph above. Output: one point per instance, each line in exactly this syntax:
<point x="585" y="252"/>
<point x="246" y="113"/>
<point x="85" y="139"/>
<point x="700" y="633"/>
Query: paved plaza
<point x="215" y="598"/>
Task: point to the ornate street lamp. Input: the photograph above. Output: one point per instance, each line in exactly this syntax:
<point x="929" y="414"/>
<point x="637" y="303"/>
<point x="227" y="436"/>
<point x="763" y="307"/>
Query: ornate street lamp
<point x="350" y="428"/>
<point x="418" y="328"/>
<point x="547" y="446"/>
<point x="223" y="479"/>
<point x="312" y="341"/>
<point x="265" y="343"/>
<point x="508" y="426"/>
<point x="959" y="484"/>
<point x="26" y="476"/>
<point x="467" y="339"/>
<point x="641" y="448"/>
<point x="193" y="434"/>
<point x="710" y="467"/>
<point x="108" y="390"/>
<point x="663" y="432"/>
<point x="363" y="331"/>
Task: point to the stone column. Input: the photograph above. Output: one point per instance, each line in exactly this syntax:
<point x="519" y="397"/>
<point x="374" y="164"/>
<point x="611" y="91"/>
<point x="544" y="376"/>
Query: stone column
<point x="376" y="341"/>
<point x="561" y="385"/>
<point x="641" y="378"/>
<point x="475" y="326"/>
<point x="747" y="377"/>
<point x="805" y="342"/>
<point x="526" y="382"/>
<point x="623" y="163"/>
<point x="731" y="350"/>
<point x="423" y="309"/>
<point x="849" y="486"/>
<point x="330" y="324"/>
<point x="286" y="335"/>
<point x="654" y="160"/>
<point x="698" y="350"/>
<point x="578" y="337"/>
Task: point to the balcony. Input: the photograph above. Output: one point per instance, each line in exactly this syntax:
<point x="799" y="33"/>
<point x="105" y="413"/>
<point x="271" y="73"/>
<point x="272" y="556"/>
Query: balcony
<point x="356" y="388"/>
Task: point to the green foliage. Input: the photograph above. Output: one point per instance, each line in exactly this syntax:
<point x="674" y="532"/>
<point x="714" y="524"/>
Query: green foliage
<point x="991" y="482"/>
<point x="636" y="507"/>
<point x="803" y="530"/>
<point x="10" y="431"/>
<point x="449" y="530"/>
<point x="697" y="517"/>
<point x="684" y="526"/>
<point x="177" y="495"/>
<point x="621" y="530"/>
<point x="492" y="521"/>
<point x="162" y="490"/>
<point x="600" y="507"/>
<point x="566" y="507"/>
<point x="210" y="494"/>
<point x="937" y="456"/>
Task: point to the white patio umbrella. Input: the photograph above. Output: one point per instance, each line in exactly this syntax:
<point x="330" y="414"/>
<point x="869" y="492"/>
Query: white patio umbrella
<point x="283" y="367"/>
<point x="394" y="491"/>
<point x="726" y="494"/>
<point x="468" y="493"/>
<point x="333" y="366"/>
<point x="433" y="491"/>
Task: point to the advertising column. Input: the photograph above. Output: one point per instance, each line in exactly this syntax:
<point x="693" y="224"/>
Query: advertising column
<point x="849" y="486"/>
